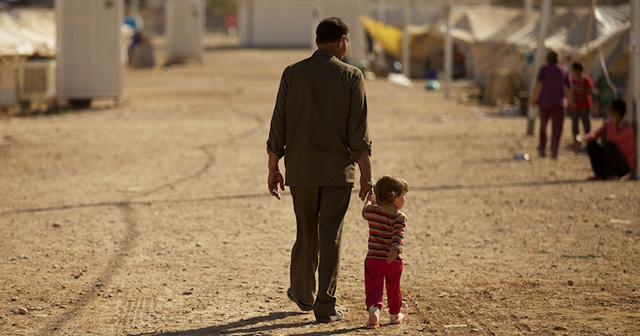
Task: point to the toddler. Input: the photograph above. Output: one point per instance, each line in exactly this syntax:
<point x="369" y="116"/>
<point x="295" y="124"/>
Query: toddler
<point x="386" y="235"/>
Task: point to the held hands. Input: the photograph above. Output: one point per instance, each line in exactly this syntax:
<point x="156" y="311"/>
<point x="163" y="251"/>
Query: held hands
<point x="366" y="186"/>
<point x="391" y="257"/>
<point x="371" y="198"/>
<point x="274" y="181"/>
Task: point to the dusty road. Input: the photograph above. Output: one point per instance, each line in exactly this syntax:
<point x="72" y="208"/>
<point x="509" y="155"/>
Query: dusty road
<point x="152" y="217"/>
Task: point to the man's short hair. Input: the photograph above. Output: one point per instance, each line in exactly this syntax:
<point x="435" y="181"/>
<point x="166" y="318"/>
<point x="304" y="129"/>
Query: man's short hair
<point x="620" y="106"/>
<point x="331" y="29"/>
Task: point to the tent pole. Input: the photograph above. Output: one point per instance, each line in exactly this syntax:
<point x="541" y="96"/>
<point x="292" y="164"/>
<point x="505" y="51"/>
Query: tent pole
<point x="545" y="12"/>
<point x="406" y="57"/>
<point x="592" y="14"/>
<point x="316" y="16"/>
<point x="448" y="52"/>
<point x="135" y="7"/>
<point x="634" y="98"/>
<point x="358" y="51"/>
<point x="382" y="17"/>
<point x="381" y="11"/>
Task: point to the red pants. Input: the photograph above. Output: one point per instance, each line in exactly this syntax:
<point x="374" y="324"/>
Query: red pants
<point x="376" y="272"/>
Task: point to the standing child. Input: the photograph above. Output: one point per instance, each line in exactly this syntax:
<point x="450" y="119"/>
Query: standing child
<point x="386" y="234"/>
<point x="580" y="107"/>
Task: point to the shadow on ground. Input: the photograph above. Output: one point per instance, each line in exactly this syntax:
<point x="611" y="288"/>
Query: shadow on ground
<point x="251" y="326"/>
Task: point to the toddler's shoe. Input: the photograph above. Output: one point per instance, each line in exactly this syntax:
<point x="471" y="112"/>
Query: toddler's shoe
<point x="374" y="317"/>
<point x="398" y="318"/>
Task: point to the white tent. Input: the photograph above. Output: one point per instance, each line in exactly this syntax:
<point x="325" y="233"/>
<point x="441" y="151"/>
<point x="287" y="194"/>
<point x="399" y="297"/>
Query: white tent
<point x="504" y="37"/>
<point x="503" y="40"/>
<point x="26" y="32"/>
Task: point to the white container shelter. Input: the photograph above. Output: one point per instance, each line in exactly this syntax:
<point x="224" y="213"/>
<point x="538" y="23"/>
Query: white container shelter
<point x="90" y="63"/>
<point x="292" y="23"/>
<point x="185" y="22"/>
<point x="275" y="23"/>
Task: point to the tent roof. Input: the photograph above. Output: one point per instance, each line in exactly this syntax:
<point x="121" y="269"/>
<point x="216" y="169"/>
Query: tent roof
<point x="517" y="28"/>
<point x="27" y="31"/>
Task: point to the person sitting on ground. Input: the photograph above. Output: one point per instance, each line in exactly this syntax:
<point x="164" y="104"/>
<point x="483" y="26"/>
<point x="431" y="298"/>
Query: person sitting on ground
<point x="616" y="157"/>
<point x="580" y="106"/>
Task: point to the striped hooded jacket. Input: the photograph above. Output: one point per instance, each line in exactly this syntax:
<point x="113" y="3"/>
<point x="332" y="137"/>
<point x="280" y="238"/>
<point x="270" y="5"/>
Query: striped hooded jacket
<point x="386" y="230"/>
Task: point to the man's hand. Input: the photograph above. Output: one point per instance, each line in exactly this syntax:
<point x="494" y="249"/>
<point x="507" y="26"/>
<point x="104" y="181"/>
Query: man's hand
<point x="366" y="186"/>
<point x="275" y="178"/>
<point x="274" y="181"/>
<point x="366" y="177"/>
<point x="391" y="257"/>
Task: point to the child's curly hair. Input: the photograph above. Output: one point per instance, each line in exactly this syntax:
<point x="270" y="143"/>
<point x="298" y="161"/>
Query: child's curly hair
<point x="388" y="188"/>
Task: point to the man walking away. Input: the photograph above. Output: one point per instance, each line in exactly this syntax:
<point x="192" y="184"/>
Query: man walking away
<point x="319" y="125"/>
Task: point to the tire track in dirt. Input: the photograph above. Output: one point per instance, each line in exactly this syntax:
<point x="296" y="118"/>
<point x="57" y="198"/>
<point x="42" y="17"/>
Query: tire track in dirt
<point x="105" y="277"/>
<point x="443" y="187"/>
<point x="132" y="233"/>
<point x="132" y="310"/>
<point x="207" y="165"/>
<point x="135" y="203"/>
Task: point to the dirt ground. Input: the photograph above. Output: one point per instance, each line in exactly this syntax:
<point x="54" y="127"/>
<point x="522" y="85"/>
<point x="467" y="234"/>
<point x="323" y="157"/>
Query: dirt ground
<point x="152" y="217"/>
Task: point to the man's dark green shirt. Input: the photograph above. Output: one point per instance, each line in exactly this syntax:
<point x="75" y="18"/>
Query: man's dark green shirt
<point x="319" y="122"/>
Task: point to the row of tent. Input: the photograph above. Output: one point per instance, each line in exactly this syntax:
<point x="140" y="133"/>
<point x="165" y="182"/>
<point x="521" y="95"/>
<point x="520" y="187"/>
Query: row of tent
<point x="504" y="39"/>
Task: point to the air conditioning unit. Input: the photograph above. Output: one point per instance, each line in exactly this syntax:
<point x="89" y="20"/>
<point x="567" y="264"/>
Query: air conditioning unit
<point x="36" y="81"/>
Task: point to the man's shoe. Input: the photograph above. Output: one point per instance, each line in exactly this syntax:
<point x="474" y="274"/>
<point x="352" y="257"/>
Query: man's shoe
<point x="336" y="316"/>
<point x="303" y="306"/>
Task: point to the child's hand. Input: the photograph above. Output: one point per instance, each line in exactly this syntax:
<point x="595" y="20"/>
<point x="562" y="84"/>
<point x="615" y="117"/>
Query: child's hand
<point x="371" y="197"/>
<point x="391" y="257"/>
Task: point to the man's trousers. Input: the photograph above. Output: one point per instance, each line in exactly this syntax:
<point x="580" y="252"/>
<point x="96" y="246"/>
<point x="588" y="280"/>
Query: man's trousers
<point x="319" y="216"/>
